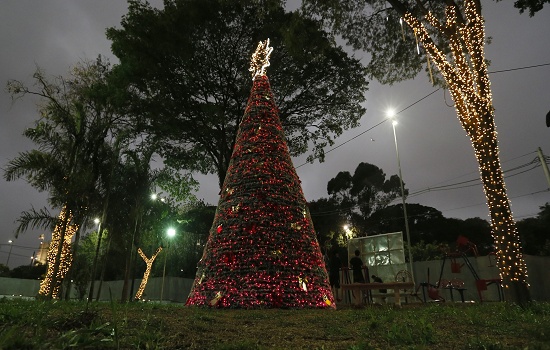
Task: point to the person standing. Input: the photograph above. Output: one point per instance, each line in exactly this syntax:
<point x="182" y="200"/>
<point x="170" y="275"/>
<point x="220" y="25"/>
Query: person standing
<point x="335" y="264"/>
<point x="357" y="268"/>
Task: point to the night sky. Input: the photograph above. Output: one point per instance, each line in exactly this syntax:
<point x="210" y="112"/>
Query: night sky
<point x="434" y="150"/>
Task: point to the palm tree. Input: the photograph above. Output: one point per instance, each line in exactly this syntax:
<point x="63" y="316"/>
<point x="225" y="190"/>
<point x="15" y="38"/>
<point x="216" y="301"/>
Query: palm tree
<point x="76" y="121"/>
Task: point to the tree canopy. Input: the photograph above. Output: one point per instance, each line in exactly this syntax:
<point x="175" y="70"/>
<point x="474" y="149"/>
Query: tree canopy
<point x="73" y="138"/>
<point x="353" y="199"/>
<point x="184" y="69"/>
<point x="363" y="193"/>
<point x="533" y="6"/>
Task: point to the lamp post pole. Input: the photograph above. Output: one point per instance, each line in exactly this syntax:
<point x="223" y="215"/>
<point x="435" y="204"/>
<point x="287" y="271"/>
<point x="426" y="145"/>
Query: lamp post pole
<point x="170" y="233"/>
<point x="394" y="122"/>
<point x="97" y="221"/>
<point x="9" y="254"/>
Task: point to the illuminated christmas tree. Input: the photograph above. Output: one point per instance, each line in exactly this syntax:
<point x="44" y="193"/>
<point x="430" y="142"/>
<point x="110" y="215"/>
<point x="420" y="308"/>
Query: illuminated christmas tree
<point x="262" y="250"/>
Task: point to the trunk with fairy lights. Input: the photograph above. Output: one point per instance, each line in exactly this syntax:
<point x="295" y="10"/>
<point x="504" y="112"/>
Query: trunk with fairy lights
<point x="59" y="256"/>
<point x="465" y="72"/>
<point x="262" y="251"/>
<point x="149" y="263"/>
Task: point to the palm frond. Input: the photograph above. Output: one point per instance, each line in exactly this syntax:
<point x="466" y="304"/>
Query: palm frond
<point x="35" y="219"/>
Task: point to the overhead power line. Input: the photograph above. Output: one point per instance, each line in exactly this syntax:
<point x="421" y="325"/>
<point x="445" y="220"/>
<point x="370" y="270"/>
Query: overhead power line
<point x="535" y="163"/>
<point x="450" y="186"/>
<point x="344" y="210"/>
<point x="416" y="102"/>
<point x="519" y="68"/>
<point x="514" y="197"/>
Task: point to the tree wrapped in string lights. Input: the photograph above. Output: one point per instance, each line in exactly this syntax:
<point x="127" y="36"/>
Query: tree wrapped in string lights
<point x="465" y="72"/>
<point x="262" y="251"/>
<point x="149" y="262"/>
<point x="61" y="235"/>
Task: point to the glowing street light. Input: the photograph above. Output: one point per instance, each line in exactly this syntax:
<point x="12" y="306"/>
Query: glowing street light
<point x="348" y="233"/>
<point x="391" y="115"/>
<point x="170" y="233"/>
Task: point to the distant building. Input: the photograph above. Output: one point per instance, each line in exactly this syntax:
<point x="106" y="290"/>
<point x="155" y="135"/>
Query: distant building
<point x="42" y="254"/>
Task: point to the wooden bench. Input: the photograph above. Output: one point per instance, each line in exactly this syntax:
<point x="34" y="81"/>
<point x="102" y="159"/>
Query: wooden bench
<point x="359" y="287"/>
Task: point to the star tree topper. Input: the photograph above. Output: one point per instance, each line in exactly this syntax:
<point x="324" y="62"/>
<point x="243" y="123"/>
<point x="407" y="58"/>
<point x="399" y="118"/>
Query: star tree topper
<point x="260" y="59"/>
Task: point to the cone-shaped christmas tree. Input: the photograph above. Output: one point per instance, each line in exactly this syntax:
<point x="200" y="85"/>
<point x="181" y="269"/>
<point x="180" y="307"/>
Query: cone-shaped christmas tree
<point x="262" y="250"/>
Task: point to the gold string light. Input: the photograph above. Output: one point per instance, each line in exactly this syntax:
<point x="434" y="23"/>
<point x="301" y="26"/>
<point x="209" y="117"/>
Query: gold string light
<point x="465" y="71"/>
<point x="149" y="263"/>
<point x="49" y="283"/>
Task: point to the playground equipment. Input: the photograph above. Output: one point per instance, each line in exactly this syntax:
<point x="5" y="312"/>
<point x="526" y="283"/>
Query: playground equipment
<point x="458" y="260"/>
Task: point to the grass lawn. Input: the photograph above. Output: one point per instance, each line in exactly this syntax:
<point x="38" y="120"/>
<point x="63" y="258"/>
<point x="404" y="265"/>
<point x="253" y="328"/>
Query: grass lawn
<point x="64" y="325"/>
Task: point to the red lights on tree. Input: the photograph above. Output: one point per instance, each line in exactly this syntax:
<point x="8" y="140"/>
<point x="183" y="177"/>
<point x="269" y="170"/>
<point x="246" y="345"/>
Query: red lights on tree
<point x="262" y="251"/>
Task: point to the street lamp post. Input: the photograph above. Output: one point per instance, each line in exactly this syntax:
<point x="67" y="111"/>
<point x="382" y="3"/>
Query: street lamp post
<point x="9" y="254"/>
<point x="391" y="115"/>
<point x="97" y="221"/>
<point x="170" y="233"/>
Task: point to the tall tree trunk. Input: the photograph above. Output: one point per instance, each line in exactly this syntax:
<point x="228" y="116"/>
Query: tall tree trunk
<point x="128" y="265"/>
<point x="75" y="251"/>
<point x="465" y="72"/>
<point x="57" y="262"/>
<point x="103" y="266"/>
<point x="513" y="270"/>
<point x="54" y="281"/>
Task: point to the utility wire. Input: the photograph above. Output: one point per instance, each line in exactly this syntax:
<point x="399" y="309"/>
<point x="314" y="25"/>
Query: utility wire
<point x="442" y="188"/>
<point x="485" y="203"/>
<point x="20" y="246"/>
<point x="519" y="68"/>
<point x="15" y="254"/>
<point x="535" y="161"/>
<point x="418" y="101"/>
<point x="547" y="158"/>
<point x="369" y="129"/>
<point x="339" y="211"/>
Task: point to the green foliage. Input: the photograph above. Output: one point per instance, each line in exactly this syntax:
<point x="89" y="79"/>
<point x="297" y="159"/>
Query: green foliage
<point x="11" y="339"/>
<point x="328" y="222"/>
<point x="535" y="232"/>
<point x="28" y="272"/>
<point x="74" y="153"/>
<point x="74" y="120"/>
<point x="4" y="270"/>
<point x="188" y="245"/>
<point x="82" y="264"/>
<point x="402" y="333"/>
<point x="375" y="28"/>
<point x="532" y="5"/>
<point x="85" y="338"/>
<point x="363" y="193"/>
<point x="62" y="325"/>
<point x="431" y="233"/>
<point x="423" y="251"/>
<point x="200" y="52"/>
<point x="361" y="201"/>
<point x="84" y="161"/>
